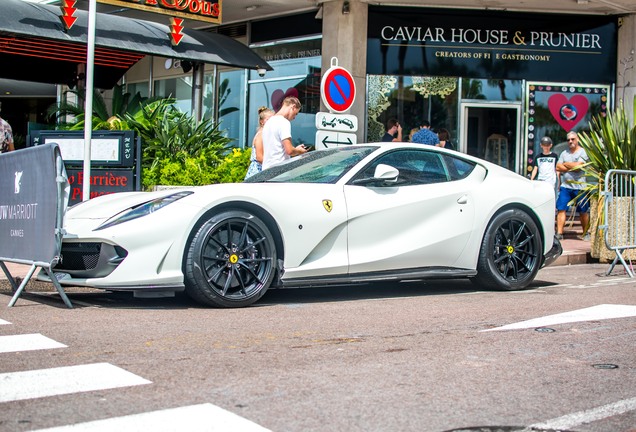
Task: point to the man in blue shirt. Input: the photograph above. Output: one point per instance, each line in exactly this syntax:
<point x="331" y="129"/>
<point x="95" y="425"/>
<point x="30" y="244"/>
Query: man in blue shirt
<point x="425" y="135"/>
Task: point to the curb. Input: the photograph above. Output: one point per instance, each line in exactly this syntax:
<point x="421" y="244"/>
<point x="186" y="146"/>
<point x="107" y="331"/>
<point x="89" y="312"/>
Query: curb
<point x="574" y="257"/>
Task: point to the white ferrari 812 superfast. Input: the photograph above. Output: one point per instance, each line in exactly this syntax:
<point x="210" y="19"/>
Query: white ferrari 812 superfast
<point x="360" y="213"/>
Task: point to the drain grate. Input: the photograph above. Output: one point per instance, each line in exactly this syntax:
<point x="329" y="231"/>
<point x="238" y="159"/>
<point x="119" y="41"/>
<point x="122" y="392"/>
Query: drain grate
<point x="605" y="366"/>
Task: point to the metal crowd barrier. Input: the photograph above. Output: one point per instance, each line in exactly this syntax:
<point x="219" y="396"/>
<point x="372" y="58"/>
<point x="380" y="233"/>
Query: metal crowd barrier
<point x="620" y="215"/>
<point x="34" y="192"/>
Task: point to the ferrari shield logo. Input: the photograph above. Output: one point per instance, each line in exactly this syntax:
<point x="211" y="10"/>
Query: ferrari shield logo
<point x="327" y="204"/>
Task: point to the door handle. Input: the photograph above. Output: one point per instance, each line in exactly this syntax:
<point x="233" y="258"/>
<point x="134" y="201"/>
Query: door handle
<point x="463" y="199"/>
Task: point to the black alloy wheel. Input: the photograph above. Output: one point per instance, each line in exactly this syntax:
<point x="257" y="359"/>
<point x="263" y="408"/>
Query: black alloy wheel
<point x="230" y="261"/>
<point x="511" y="252"/>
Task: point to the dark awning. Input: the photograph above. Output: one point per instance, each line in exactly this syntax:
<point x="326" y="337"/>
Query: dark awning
<point x="34" y="45"/>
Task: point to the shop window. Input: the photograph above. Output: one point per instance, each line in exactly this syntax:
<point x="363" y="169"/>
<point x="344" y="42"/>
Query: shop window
<point x="208" y="96"/>
<point x="178" y="88"/>
<point x="491" y="89"/>
<point x="556" y="109"/>
<point x="410" y="99"/>
<point x="231" y="99"/>
<point x="299" y="78"/>
<point x="231" y="105"/>
<point x="139" y="87"/>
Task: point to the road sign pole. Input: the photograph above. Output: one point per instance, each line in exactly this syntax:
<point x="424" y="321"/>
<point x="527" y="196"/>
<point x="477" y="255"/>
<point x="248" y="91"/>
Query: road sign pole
<point x="88" y="109"/>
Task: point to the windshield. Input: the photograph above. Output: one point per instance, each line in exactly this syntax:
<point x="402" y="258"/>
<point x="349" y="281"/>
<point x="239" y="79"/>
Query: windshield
<point x="322" y="166"/>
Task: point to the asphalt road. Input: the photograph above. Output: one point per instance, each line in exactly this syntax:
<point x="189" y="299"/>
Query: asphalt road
<point x="409" y="357"/>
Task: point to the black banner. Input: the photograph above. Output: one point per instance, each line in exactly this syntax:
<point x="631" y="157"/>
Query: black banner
<point x="491" y="44"/>
<point x="29" y="204"/>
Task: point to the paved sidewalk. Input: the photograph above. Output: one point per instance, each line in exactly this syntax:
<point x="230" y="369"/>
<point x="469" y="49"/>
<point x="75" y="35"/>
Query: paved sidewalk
<point x="575" y="250"/>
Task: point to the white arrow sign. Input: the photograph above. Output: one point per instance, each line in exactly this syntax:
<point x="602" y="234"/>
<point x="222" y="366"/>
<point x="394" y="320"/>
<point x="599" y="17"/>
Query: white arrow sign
<point x="328" y="139"/>
<point x="336" y="122"/>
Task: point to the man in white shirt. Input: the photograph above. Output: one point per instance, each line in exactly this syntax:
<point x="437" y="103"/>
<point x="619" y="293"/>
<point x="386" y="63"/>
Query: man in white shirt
<point x="277" y="141"/>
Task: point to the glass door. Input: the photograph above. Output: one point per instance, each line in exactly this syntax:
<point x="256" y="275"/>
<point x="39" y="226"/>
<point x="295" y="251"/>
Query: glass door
<point x="491" y="131"/>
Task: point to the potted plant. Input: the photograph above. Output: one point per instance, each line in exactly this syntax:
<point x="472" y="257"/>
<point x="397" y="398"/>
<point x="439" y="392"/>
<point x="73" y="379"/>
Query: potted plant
<point x="610" y="144"/>
<point x="177" y="150"/>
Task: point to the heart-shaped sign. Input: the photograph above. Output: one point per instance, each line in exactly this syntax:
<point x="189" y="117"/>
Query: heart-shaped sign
<point x="278" y="97"/>
<point x="568" y="112"/>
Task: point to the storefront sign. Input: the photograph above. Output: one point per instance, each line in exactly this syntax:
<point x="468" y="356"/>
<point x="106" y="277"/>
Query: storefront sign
<point x="103" y="182"/>
<point x="491" y="44"/>
<point x="115" y="160"/>
<point x="201" y="10"/>
<point x="287" y="51"/>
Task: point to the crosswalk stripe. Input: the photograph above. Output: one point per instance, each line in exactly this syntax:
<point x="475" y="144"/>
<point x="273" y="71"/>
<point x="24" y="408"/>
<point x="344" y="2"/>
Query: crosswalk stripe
<point x="27" y="342"/>
<point x="599" y="312"/>
<point x="588" y="416"/>
<point x="195" y="418"/>
<point x="3" y="322"/>
<point x="33" y="384"/>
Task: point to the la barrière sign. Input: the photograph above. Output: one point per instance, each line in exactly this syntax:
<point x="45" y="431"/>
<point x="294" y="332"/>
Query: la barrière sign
<point x="201" y="10"/>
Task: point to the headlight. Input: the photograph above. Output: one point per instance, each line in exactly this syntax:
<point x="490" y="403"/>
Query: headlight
<point x="143" y="209"/>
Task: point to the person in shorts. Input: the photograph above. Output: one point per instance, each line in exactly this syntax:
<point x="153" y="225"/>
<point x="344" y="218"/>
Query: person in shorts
<point x="572" y="182"/>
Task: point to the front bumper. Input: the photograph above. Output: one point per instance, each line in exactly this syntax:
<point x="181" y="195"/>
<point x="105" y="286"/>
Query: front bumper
<point x="89" y="259"/>
<point x="554" y="253"/>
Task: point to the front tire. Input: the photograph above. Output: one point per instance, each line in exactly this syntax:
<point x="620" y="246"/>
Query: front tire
<point x="511" y="252"/>
<point x="230" y="261"/>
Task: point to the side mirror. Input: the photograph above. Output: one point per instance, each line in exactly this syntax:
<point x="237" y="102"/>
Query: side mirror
<point x="386" y="173"/>
<point x="383" y="175"/>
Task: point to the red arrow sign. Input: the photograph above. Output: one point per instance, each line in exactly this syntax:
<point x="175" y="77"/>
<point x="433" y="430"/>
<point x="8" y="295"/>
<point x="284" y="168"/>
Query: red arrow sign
<point x="68" y="9"/>
<point x="176" y="26"/>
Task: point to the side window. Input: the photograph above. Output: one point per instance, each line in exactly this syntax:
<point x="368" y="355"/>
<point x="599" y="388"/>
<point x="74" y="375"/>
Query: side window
<point x="458" y="168"/>
<point x="417" y="167"/>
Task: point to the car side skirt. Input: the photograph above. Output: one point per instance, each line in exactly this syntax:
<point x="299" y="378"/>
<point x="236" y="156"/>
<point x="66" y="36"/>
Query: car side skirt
<point x="409" y="274"/>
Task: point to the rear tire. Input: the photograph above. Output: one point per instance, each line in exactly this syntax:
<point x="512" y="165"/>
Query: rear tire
<point x="230" y="261"/>
<point x="511" y="252"/>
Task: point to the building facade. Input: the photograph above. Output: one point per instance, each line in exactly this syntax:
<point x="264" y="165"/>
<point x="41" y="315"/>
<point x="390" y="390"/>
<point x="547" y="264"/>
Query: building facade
<point x="496" y="80"/>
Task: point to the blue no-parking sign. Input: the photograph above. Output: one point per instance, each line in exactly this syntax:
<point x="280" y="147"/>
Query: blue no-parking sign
<point x="337" y="88"/>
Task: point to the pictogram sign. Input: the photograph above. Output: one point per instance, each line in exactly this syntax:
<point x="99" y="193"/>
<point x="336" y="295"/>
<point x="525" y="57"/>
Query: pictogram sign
<point x="68" y="9"/>
<point x="327" y="139"/>
<point x="336" y="122"/>
<point x="337" y="88"/>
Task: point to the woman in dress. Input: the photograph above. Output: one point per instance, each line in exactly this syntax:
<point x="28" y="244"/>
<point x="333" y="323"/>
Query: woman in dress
<point x="256" y="159"/>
